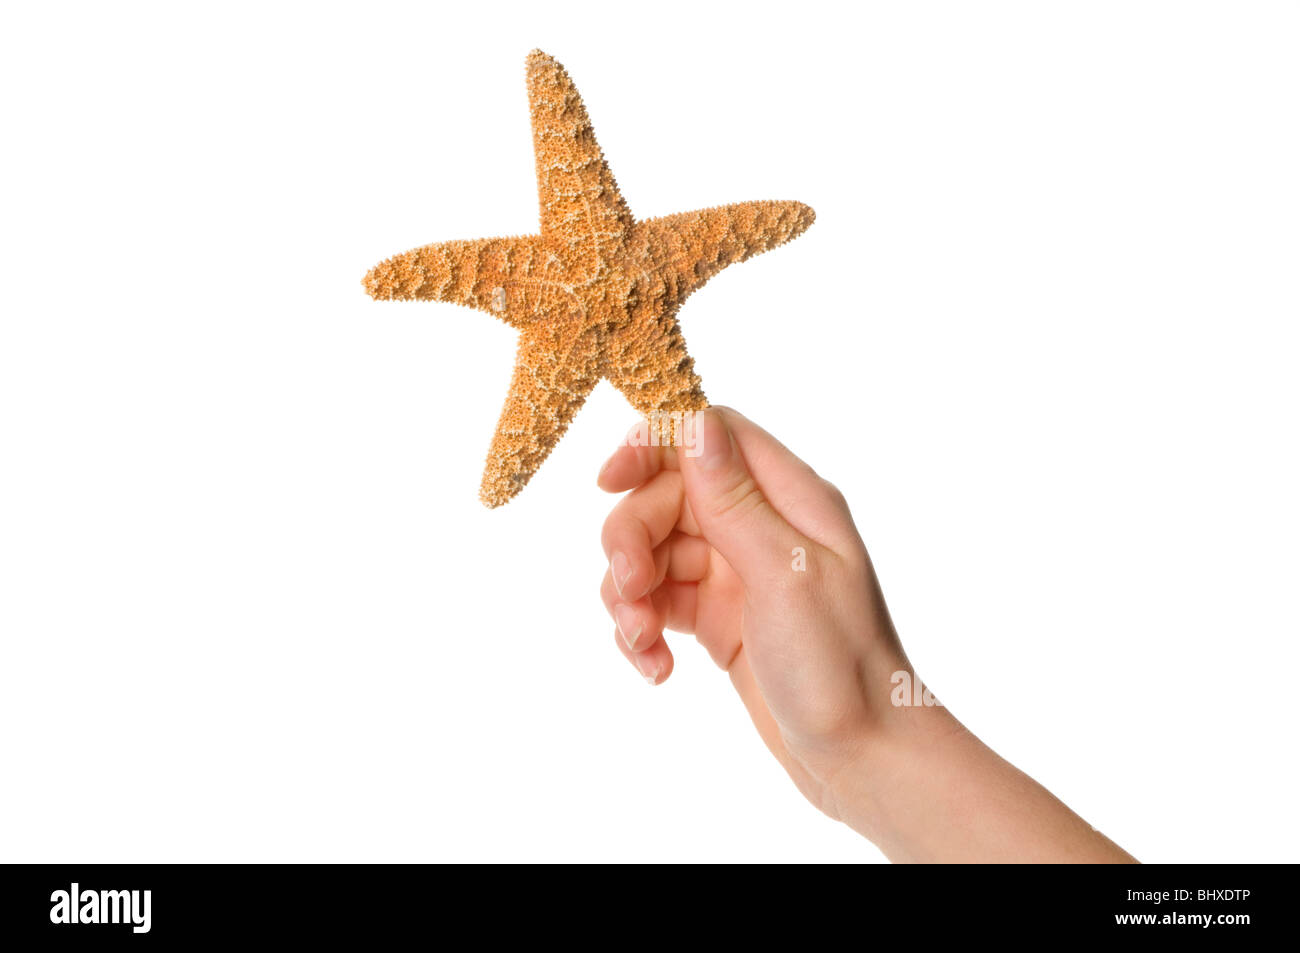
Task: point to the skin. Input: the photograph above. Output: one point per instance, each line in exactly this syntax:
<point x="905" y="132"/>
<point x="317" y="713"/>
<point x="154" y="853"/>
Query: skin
<point x="705" y="543"/>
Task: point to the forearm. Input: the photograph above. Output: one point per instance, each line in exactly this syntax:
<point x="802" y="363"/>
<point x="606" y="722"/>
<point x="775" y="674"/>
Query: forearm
<point x="924" y="789"/>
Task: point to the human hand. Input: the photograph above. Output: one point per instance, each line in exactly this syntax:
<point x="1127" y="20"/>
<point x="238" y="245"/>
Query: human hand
<point x="739" y="542"/>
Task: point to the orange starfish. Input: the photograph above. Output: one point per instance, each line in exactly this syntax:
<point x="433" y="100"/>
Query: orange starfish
<point x="594" y="295"/>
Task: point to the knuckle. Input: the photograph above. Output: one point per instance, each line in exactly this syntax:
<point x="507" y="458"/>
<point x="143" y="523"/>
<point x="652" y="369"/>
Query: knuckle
<point x="609" y="532"/>
<point x="737" y="500"/>
<point x="835" y="495"/>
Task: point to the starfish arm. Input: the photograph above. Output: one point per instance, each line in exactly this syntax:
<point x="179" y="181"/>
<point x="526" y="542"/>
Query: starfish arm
<point x="557" y="366"/>
<point x="648" y="363"/>
<point x="511" y="278"/>
<point x="581" y="206"/>
<point x="692" y="247"/>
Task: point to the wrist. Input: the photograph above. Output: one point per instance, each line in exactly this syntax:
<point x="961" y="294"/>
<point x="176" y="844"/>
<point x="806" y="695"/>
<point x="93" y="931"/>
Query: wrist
<point x="874" y="788"/>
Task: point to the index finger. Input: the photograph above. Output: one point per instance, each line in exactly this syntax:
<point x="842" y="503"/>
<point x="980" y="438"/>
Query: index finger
<point x="634" y="463"/>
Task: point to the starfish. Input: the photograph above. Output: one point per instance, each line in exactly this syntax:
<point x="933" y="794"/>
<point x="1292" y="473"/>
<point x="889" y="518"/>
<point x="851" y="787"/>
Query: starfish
<point x="594" y="295"/>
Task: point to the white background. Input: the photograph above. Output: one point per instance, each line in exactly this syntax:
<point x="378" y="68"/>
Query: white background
<point x="1043" y="335"/>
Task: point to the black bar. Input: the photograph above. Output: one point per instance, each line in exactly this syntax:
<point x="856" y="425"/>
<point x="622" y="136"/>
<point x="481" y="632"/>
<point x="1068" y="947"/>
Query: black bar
<point x="369" y="904"/>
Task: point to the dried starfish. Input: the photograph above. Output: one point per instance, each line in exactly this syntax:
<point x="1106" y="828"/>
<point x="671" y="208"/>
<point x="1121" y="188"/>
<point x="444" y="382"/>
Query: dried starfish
<point x="594" y="295"/>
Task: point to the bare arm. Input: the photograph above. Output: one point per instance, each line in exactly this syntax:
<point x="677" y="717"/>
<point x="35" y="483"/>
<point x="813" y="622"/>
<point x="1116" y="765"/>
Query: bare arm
<point x="736" y="540"/>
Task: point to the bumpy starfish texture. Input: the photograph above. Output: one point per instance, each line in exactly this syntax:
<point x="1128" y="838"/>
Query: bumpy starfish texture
<point x="594" y="295"/>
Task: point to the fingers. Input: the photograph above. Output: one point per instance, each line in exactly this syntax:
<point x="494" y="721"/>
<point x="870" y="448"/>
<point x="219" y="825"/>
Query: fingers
<point x="639" y="623"/>
<point x="733" y="491"/>
<point x="729" y="503"/>
<point x="638" y="627"/>
<point x="639" y="523"/>
<point x="632" y="465"/>
<point x="686" y="558"/>
<point x="655" y="664"/>
<point x="677" y="604"/>
<point x="671" y="604"/>
<point x="807" y="502"/>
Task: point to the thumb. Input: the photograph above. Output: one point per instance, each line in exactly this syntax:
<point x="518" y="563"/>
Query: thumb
<point x="728" y="503"/>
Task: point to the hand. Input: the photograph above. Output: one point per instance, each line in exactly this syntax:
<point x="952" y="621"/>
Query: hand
<point x="736" y="540"/>
<point x="739" y="542"/>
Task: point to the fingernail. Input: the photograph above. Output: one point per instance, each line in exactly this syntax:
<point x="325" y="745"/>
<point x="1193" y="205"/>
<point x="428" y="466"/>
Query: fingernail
<point x="629" y="625"/>
<point x="620" y="569"/>
<point x="649" y="670"/>
<point x="713" y="440"/>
